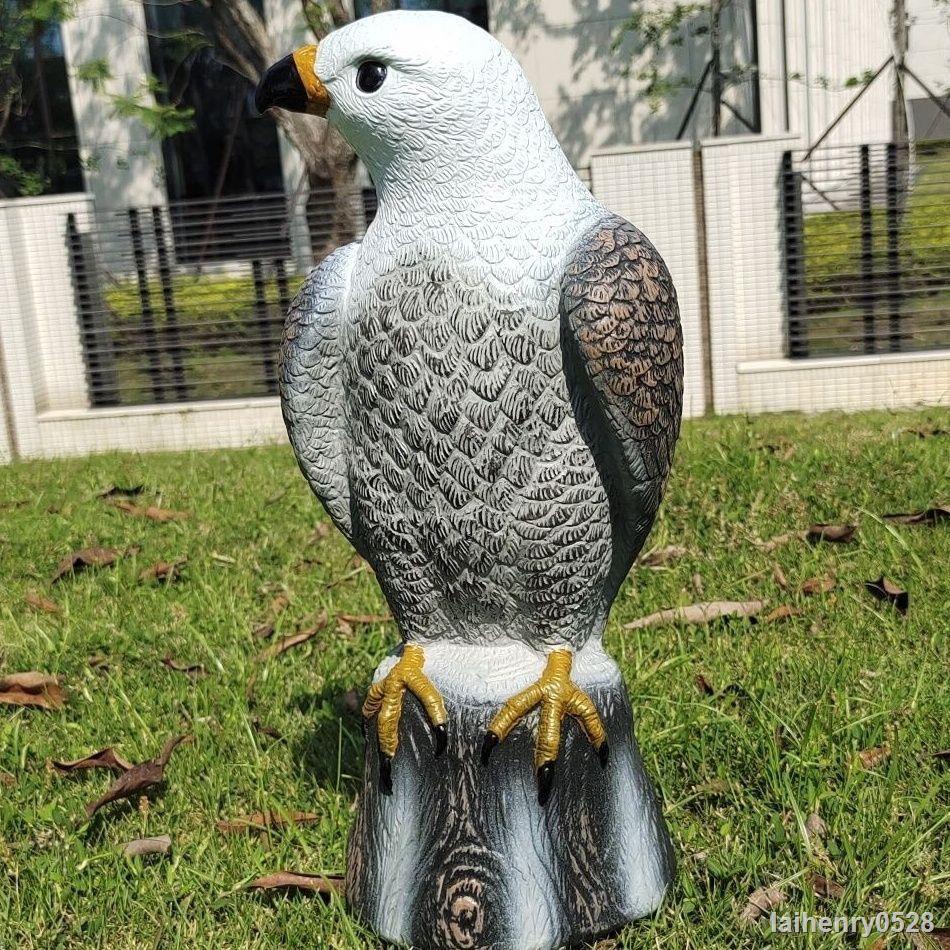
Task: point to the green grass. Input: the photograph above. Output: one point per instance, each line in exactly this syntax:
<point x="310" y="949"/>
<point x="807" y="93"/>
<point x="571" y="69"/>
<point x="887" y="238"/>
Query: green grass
<point x="738" y="771"/>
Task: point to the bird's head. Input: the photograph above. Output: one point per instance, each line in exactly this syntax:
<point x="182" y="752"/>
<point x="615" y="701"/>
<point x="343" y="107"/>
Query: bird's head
<point x="403" y="85"/>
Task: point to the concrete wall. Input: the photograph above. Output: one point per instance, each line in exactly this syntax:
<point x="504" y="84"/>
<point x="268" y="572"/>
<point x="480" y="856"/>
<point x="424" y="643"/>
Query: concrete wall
<point x="123" y="165"/>
<point x="652" y="187"/>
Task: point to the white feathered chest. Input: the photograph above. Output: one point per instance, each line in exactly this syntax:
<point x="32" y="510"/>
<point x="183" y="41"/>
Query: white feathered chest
<point x="468" y="473"/>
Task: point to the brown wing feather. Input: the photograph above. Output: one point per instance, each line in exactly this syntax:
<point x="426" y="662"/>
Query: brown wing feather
<point x="619" y="304"/>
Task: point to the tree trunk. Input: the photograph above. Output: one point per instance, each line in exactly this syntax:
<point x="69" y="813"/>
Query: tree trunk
<point x="461" y="855"/>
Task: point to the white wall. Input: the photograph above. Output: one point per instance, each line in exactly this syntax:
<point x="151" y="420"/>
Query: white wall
<point x="652" y="187"/>
<point x="123" y="164"/>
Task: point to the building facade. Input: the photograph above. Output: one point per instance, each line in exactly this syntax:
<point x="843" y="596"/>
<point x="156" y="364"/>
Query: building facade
<point x="788" y="66"/>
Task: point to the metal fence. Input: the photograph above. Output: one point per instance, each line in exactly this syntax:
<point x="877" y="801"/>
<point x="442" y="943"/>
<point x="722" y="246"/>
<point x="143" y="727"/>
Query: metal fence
<point x="867" y="249"/>
<point x="186" y="301"/>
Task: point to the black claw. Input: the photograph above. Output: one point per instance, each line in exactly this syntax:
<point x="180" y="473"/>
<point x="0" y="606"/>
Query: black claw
<point x="491" y="740"/>
<point x="440" y="736"/>
<point x="385" y="774"/>
<point x="545" y="782"/>
<point x="603" y="753"/>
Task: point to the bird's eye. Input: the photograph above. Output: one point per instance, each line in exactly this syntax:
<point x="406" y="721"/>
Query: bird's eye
<point x="370" y="76"/>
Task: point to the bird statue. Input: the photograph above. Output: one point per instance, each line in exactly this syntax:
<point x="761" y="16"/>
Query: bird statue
<point x="484" y="393"/>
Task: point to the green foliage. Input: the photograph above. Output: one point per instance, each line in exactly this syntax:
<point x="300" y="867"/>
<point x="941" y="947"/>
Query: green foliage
<point x="25" y="183"/>
<point x="162" y="120"/>
<point x="95" y="72"/>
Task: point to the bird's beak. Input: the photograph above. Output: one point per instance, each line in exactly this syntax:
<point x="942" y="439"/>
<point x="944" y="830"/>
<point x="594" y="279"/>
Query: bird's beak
<point x="292" y="84"/>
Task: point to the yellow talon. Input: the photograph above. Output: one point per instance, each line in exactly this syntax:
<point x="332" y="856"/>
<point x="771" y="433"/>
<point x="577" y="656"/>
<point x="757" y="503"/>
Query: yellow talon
<point x="557" y="695"/>
<point x="385" y="699"/>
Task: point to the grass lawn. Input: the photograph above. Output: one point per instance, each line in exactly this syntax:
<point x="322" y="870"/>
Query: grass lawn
<point x="740" y="766"/>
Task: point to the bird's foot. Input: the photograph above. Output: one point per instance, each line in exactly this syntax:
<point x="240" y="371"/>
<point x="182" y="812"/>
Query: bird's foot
<point x="557" y="696"/>
<point x="384" y="700"/>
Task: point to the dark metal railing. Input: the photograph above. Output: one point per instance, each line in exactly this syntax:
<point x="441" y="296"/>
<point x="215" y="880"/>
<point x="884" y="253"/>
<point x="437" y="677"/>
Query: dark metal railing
<point x="186" y="302"/>
<point x="867" y="249"/>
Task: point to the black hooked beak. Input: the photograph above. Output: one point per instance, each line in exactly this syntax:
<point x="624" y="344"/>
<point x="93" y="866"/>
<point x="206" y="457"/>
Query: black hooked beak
<point x="292" y="84"/>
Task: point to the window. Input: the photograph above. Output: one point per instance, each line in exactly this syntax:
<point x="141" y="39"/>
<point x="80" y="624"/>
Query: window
<point x="474" y="10"/>
<point x="40" y="131"/>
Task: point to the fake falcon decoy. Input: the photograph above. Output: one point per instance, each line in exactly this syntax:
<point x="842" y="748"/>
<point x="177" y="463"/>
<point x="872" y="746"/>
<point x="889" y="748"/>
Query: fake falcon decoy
<point x="485" y="391"/>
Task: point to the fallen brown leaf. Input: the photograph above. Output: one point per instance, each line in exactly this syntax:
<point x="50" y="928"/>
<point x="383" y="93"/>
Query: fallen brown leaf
<point x="697" y="582"/>
<point x="779" y="540"/>
<point x="138" y="779"/>
<point x="344" y="627"/>
<point x="32" y="689"/>
<point x="699" y="613"/>
<point x="192" y="669"/>
<point x="660" y="556"/>
<point x="778" y="575"/>
<point x="815" y="826"/>
<point x="703" y="685"/>
<point x="264" y="820"/>
<point x="824" y="887"/>
<point x="321" y="530"/>
<point x="365" y="618"/>
<point x="113" y="490"/>
<point x="264" y="729"/>
<point x="78" y="561"/>
<point x="7" y="779"/>
<point x="928" y="516"/>
<point x="782" y="612"/>
<point x="885" y="589"/>
<point x="835" y="533"/>
<point x="164" y="572"/>
<point x="322" y="884"/>
<point x="818" y="585"/>
<point x="141" y="846"/>
<point x="106" y="758"/>
<point x="294" y="639"/>
<point x="38" y="602"/>
<point x="873" y="757"/>
<point x="149" y="511"/>
<point x="761" y="901"/>
<point x="263" y="631"/>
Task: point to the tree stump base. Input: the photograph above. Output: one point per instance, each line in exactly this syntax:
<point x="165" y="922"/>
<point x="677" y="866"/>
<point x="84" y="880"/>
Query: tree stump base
<point x="461" y="855"/>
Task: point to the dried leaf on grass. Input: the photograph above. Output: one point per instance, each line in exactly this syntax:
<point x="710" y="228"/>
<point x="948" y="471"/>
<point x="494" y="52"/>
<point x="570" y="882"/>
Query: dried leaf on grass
<point x="928" y="516"/>
<point x="322" y="884"/>
<point x="294" y="639"/>
<point x="37" y="601"/>
<point x="264" y="820"/>
<point x="835" y="533"/>
<point x="778" y="575"/>
<point x="365" y="618"/>
<point x="937" y="939"/>
<point x="149" y="511"/>
<point x="263" y="631"/>
<point x="264" y="730"/>
<point x="873" y="757"/>
<point x="761" y="901"/>
<point x="704" y="612"/>
<point x="32" y="689"/>
<point x="815" y="826"/>
<point x="117" y="490"/>
<point x="192" y="669"/>
<point x="782" y="612"/>
<point x="106" y="758"/>
<point x="885" y="589"/>
<point x="164" y="572"/>
<point x="660" y="556"/>
<point x="818" y="585"/>
<point x="824" y="887"/>
<point x="85" y="558"/>
<point x="703" y="686"/>
<point x="779" y="540"/>
<point x="139" y="778"/>
<point x="142" y="846"/>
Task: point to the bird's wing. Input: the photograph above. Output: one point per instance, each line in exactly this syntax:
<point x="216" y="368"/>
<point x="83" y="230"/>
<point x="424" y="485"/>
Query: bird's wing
<point x="311" y="392"/>
<point x="622" y="338"/>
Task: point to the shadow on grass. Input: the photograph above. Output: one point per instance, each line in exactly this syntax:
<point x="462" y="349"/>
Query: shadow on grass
<point x="331" y="753"/>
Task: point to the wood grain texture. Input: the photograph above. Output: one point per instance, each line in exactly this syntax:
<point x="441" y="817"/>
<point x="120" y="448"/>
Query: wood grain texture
<point x="484" y="865"/>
